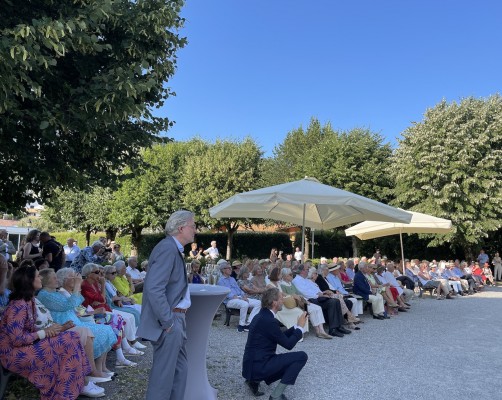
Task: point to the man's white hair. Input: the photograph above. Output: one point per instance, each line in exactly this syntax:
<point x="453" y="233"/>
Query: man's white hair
<point x="177" y="220"/>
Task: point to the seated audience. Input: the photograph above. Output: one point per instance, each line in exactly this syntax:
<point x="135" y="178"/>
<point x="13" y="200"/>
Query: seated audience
<point x="53" y="358"/>
<point x="363" y="288"/>
<point x="427" y="282"/>
<point x="124" y="285"/>
<point x="345" y="303"/>
<point x="247" y="285"/>
<point x="290" y="313"/>
<point x="95" y="253"/>
<point x="135" y="274"/>
<point x="315" y="313"/>
<point x="236" y="298"/>
<point x="330" y="305"/>
<point x="194" y="276"/>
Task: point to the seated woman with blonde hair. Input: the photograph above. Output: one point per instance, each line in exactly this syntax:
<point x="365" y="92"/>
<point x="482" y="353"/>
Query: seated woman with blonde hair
<point x="124" y="285"/>
<point x="52" y="358"/>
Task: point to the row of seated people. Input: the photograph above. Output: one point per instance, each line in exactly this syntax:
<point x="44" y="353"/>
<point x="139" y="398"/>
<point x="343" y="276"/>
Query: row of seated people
<point x="449" y="279"/>
<point x="68" y="322"/>
<point x="321" y="292"/>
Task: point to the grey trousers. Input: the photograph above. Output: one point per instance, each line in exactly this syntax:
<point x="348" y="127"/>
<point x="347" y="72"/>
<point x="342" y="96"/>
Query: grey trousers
<point x="168" y="376"/>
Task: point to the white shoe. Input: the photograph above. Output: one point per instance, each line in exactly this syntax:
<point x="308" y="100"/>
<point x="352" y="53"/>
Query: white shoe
<point x="110" y="374"/>
<point x="97" y="379"/>
<point x="138" y="345"/>
<point x="91" y="390"/>
<point x="133" y="352"/>
<point x="125" y="363"/>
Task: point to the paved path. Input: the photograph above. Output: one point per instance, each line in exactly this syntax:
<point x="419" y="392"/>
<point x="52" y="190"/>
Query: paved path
<point x="449" y="349"/>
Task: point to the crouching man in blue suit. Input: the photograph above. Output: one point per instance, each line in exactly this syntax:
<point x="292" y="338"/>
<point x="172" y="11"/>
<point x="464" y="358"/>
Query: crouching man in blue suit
<point x="260" y="362"/>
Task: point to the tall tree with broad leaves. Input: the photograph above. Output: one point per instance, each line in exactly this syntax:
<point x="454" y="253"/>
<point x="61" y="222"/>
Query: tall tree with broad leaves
<point x="84" y="210"/>
<point x="151" y="192"/>
<point x="79" y="81"/>
<point x="450" y="165"/>
<point x="351" y="160"/>
<point x="215" y="172"/>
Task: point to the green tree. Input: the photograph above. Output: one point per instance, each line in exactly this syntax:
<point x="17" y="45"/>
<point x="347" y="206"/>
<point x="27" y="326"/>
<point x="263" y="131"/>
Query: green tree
<point x="151" y="193"/>
<point x="450" y="165"/>
<point x="79" y="81"/>
<point x="85" y="211"/>
<point x="215" y="172"/>
<point x="353" y="160"/>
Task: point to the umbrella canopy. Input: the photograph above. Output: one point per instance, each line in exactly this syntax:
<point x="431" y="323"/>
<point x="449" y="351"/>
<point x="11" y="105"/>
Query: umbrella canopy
<point x="420" y="223"/>
<point x="307" y="202"/>
<point x="326" y="207"/>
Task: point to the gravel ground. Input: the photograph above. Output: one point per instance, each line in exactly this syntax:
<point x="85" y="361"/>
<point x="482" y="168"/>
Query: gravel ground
<point x="438" y="350"/>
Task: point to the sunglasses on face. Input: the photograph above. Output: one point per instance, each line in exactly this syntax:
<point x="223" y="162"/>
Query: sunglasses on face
<point x="113" y="273"/>
<point x="95" y="272"/>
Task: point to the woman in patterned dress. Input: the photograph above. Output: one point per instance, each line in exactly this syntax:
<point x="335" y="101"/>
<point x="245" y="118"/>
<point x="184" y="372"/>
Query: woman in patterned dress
<point x="52" y="359"/>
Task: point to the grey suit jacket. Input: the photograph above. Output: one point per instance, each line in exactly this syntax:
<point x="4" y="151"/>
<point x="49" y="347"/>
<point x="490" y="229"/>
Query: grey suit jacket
<point x="164" y="287"/>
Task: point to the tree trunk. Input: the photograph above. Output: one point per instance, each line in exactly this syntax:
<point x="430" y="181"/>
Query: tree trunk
<point x="88" y="236"/>
<point x="136" y="240"/>
<point x="354" y="247"/>
<point x="111" y="233"/>
<point x="230" y="239"/>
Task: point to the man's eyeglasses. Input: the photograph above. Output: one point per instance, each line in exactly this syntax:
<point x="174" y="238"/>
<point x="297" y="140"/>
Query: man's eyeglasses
<point x="113" y="273"/>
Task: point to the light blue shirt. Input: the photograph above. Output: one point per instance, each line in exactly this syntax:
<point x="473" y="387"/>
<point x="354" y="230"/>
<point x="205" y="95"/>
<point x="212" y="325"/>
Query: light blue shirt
<point x="231" y="283"/>
<point x="350" y="273"/>
<point x="336" y="283"/>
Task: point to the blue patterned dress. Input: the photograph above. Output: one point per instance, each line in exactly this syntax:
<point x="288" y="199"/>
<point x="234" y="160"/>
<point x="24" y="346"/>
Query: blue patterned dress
<point x="62" y="309"/>
<point x="56" y="366"/>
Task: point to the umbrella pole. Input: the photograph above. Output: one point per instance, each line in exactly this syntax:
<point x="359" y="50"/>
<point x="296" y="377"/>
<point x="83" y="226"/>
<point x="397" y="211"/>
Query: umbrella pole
<point x="402" y="250"/>
<point x="313" y="236"/>
<point x="303" y="234"/>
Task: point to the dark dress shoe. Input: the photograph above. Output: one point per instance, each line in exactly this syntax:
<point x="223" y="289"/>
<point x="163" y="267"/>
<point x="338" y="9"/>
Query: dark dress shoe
<point x="255" y="388"/>
<point x="378" y="317"/>
<point x="336" y="333"/>
<point x="402" y="309"/>
<point x="343" y="330"/>
<point x="409" y="305"/>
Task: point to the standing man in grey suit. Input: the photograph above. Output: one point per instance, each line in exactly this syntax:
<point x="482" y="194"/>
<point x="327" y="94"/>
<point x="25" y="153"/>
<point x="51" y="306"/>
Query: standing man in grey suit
<point x="165" y="301"/>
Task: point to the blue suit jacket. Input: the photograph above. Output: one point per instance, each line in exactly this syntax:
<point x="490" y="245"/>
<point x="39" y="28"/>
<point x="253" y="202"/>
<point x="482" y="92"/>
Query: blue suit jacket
<point x="263" y="338"/>
<point x="361" y="286"/>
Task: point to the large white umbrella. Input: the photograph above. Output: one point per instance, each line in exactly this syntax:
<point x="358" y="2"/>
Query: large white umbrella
<point x="307" y="202"/>
<point x="420" y="223"/>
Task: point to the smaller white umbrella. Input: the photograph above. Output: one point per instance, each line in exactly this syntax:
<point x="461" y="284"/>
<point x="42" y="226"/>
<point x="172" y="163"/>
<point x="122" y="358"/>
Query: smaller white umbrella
<point x="420" y="223"/>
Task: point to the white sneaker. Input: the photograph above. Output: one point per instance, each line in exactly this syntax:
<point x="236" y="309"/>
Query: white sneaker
<point x="138" y="345"/>
<point x="133" y="352"/>
<point x="91" y="390"/>
<point x="96" y="379"/>
<point x="125" y="363"/>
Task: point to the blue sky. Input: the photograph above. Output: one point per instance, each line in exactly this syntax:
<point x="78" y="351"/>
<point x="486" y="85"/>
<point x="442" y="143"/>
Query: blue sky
<point x="261" y="68"/>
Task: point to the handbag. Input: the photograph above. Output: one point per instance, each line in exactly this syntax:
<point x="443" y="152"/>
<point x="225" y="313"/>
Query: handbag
<point x="289" y="302"/>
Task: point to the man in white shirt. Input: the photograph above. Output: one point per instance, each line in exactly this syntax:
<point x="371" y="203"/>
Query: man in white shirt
<point x="298" y="255"/>
<point x="390" y="278"/>
<point x="313" y="294"/>
<point x="212" y="252"/>
<point x="71" y="250"/>
<point x="135" y="273"/>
